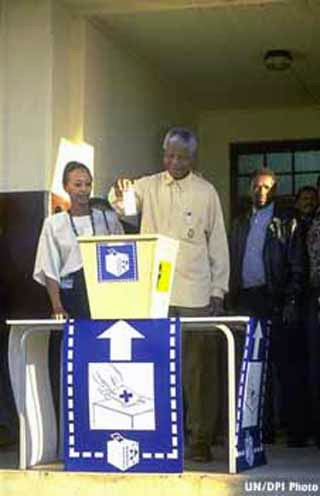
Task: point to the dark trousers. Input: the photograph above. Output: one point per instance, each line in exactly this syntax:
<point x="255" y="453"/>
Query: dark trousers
<point x="75" y="302"/>
<point x="288" y="358"/>
<point x="313" y="362"/>
<point x="286" y="365"/>
<point x="199" y="376"/>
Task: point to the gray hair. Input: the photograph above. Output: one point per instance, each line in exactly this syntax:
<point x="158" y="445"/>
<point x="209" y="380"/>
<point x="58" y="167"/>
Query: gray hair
<point x="264" y="171"/>
<point x="186" y="137"/>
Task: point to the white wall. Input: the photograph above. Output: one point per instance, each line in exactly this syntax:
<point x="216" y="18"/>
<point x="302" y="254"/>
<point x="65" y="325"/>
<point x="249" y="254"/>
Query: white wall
<point x="127" y="109"/>
<point x="68" y="71"/>
<point x="219" y="129"/>
<point x="3" y="52"/>
<point x="25" y="94"/>
<point x="61" y="77"/>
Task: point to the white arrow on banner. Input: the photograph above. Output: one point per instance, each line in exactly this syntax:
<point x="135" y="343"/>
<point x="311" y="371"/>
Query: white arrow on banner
<point x="120" y="335"/>
<point x="258" y="335"/>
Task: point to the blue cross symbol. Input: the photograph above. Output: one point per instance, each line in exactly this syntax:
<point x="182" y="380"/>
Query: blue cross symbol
<point x="126" y="396"/>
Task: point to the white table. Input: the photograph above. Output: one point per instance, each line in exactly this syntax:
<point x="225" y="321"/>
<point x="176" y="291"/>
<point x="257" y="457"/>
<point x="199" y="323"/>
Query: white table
<point x="29" y="372"/>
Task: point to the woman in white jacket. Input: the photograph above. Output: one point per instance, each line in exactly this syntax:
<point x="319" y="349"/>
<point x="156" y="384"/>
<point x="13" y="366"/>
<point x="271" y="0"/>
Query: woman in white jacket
<point x="58" y="263"/>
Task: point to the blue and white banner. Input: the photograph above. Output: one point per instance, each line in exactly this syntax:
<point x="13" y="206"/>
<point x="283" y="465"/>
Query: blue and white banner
<point x="122" y="396"/>
<point x="252" y="385"/>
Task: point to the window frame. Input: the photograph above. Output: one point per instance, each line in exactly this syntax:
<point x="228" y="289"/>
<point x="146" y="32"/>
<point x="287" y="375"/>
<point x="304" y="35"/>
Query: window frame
<point x="264" y="148"/>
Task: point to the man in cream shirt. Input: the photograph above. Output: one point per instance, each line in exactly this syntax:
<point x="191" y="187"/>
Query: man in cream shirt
<point x="180" y="204"/>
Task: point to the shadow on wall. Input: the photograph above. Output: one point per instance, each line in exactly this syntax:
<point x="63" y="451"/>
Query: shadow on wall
<point x="21" y="218"/>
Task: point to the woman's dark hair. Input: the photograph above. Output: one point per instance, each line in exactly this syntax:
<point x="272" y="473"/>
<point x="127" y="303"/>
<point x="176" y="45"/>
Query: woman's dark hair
<point x="70" y="167"/>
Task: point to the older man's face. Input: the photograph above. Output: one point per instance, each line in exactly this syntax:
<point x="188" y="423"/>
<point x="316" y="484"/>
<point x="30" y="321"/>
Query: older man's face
<point x="263" y="189"/>
<point x="177" y="160"/>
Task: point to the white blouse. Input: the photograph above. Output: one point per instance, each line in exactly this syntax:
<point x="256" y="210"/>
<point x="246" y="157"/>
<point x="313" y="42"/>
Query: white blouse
<point x="58" y="252"/>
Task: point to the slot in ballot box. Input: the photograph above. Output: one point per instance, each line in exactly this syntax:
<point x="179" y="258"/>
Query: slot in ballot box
<point x="128" y="276"/>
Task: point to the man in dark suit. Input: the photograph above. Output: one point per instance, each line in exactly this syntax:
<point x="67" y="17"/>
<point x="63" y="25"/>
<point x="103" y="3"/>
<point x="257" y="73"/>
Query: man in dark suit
<point x="267" y="275"/>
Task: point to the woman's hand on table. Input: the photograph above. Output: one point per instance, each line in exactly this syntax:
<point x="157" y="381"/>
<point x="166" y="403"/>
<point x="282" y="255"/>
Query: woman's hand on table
<point x="59" y="313"/>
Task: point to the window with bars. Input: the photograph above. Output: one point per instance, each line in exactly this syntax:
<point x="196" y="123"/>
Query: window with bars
<point x="296" y="164"/>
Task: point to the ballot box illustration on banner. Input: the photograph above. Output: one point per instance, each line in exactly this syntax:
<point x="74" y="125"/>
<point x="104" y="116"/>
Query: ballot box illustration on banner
<point x="123" y="395"/>
<point x="122" y="453"/>
<point x="129" y="276"/>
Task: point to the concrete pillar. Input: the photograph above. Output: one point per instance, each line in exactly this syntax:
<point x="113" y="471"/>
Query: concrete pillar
<point x="41" y="89"/>
<point x="26" y="91"/>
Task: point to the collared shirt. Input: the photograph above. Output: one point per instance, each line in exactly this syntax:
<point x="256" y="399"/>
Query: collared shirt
<point x="253" y="272"/>
<point x="188" y="210"/>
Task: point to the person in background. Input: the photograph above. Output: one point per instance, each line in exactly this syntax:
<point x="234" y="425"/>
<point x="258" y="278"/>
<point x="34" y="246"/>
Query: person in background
<point x="313" y="322"/>
<point x="266" y="281"/>
<point x="58" y="264"/>
<point x="305" y="205"/>
<point x="306" y="202"/>
<point x="179" y="203"/>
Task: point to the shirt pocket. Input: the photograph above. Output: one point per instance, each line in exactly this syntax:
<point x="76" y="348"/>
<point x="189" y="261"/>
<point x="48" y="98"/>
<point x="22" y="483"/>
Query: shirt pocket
<point x="192" y="227"/>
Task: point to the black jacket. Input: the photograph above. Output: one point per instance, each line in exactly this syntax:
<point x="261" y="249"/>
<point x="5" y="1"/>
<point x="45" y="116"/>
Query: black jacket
<point x="283" y="255"/>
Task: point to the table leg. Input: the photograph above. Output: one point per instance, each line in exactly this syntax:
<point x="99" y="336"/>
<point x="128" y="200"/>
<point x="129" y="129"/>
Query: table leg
<point x="29" y="371"/>
<point x="231" y="394"/>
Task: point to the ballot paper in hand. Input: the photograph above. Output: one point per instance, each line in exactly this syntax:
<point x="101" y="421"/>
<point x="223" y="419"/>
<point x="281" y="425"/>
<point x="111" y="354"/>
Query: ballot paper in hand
<point x="129" y="202"/>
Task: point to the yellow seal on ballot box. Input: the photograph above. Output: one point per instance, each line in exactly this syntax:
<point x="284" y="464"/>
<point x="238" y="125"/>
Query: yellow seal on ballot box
<point x="164" y="276"/>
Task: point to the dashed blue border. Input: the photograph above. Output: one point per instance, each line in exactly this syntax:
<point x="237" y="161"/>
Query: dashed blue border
<point x="176" y="448"/>
<point x="240" y="401"/>
<point x="173" y="455"/>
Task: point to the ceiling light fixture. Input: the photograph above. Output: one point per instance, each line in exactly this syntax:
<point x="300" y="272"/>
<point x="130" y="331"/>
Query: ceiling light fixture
<point x="278" y="60"/>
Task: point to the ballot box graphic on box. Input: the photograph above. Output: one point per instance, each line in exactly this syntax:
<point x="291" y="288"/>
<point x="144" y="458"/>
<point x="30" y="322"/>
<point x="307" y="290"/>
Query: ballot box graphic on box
<point x="121" y="452"/>
<point x="117" y="262"/>
<point x="129" y="276"/>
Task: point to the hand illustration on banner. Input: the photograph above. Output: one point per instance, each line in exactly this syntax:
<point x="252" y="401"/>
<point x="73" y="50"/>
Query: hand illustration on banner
<point x="109" y="382"/>
<point x="121" y="396"/>
<point x="111" y="386"/>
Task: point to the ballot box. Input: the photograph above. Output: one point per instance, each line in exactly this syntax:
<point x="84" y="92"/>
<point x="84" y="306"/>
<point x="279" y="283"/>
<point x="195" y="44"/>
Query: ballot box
<point x="129" y="276"/>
